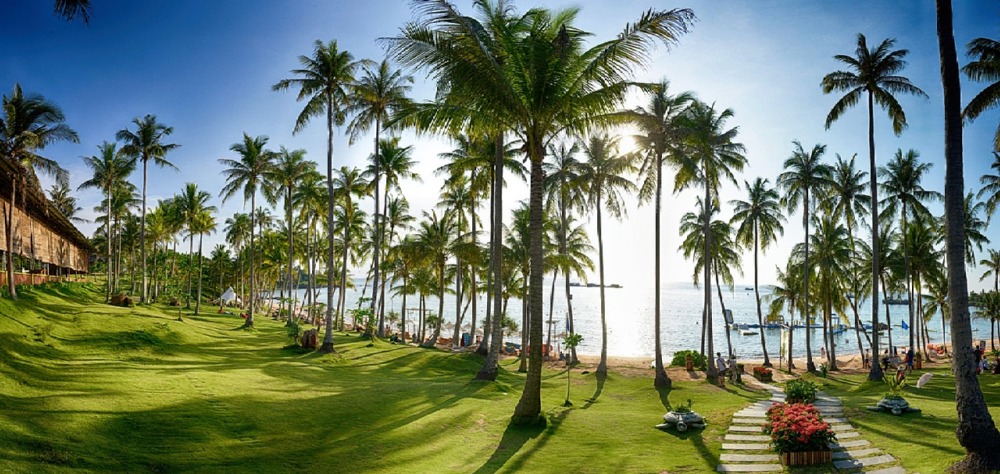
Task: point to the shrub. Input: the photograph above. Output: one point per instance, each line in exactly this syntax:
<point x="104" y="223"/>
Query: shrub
<point x="680" y="359"/>
<point x="762" y="373"/>
<point x="800" y="391"/>
<point x="294" y="331"/>
<point x="796" y="428"/>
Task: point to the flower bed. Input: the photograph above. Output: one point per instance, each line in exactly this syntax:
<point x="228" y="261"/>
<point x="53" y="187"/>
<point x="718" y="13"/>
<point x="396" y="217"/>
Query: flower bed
<point x="799" y="428"/>
<point x="763" y="374"/>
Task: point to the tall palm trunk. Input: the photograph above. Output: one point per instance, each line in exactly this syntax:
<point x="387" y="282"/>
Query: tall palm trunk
<point x="722" y="304"/>
<point x="376" y="245"/>
<point x="107" y="235"/>
<point x="491" y="363"/>
<point x="602" y="367"/>
<point x="342" y="303"/>
<point x="875" y="374"/>
<point x="756" y="293"/>
<point x="713" y="371"/>
<point x="327" y="346"/>
<point x="291" y="255"/>
<point x="530" y="404"/>
<point x="402" y="317"/>
<point x="9" y="224"/>
<point x="142" y="231"/>
<point x="909" y="278"/>
<point x="552" y="304"/>
<point x="187" y="304"/>
<point x="197" y="304"/>
<point x="660" y="378"/>
<point x="474" y="294"/>
<point x="976" y="431"/>
<point x="562" y="250"/>
<point x="455" y="341"/>
<point x="810" y="365"/>
<point x="432" y="341"/>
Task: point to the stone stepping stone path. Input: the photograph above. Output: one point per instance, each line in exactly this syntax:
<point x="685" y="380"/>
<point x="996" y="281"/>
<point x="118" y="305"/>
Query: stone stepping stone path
<point x="746" y="448"/>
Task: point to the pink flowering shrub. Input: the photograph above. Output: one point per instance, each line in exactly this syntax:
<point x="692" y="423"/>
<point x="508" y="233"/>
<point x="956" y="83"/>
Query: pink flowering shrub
<point x="797" y="427"/>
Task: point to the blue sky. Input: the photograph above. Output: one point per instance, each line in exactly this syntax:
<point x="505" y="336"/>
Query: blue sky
<point x="206" y="68"/>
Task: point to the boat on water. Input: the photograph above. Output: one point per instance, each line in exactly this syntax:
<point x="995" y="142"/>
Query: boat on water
<point x="748" y="332"/>
<point x="748" y="288"/>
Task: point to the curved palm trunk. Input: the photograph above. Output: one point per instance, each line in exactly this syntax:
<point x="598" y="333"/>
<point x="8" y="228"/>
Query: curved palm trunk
<point x="327" y="346"/>
<point x="9" y="223"/>
<point x="432" y="341"/>
<point x="530" y="404"/>
<point x="660" y="378"/>
<point x="602" y="367"/>
<point x="976" y="431"/>
<point x="197" y="302"/>
<point x="490" y="367"/>
<point x="888" y="316"/>
<point x="756" y="293"/>
<point x="722" y="304"/>
<point x="552" y="304"/>
<point x="876" y="371"/>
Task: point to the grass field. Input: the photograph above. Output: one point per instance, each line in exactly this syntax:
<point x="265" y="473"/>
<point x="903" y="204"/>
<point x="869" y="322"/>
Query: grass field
<point x="89" y="387"/>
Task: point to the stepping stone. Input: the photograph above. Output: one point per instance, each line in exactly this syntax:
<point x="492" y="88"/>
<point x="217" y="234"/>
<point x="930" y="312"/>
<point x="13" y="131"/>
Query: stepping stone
<point x="849" y="444"/>
<point x="750" y="468"/>
<point x="849" y="434"/>
<point x="752" y="413"/>
<point x="855" y="454"/>
<point x="747" y="446"/>
<point x="841" y="427"/>
<point x="856" y="463"/>
<point x="749" y="457"/>
<point x="745" y="428"/>
<point x="888" y="470"/>
<point x="832" y="420"/>
<point x="749" y="421"/>
<point x="743" y="437"/>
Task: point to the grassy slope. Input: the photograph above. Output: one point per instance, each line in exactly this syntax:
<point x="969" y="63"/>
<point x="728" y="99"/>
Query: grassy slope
<point x="925" y="441"/>
<point x="89" y="387"/>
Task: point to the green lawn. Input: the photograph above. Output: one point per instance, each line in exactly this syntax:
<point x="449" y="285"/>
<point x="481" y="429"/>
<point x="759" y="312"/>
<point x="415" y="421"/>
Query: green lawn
<point x="923" y="442"/>
<point x="90" y="387"/>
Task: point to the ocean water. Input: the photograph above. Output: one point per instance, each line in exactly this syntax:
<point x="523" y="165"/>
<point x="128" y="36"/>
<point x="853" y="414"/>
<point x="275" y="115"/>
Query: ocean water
<point x="631" y="323"/>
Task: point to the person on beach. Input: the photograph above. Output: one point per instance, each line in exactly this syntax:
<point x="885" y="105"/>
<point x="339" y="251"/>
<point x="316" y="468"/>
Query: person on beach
<point x="885" y="360"/>
<point x="979" y="359"/>
<point x="909" y="359"/>
<point x="866" y="359"/>
<point x="720" y="363"/>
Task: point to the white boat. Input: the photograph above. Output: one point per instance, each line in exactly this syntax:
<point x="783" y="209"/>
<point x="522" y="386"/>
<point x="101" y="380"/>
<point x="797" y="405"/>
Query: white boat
<point x="748" y="332"/>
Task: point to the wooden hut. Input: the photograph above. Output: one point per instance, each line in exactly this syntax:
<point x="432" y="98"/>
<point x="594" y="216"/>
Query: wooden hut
<point x="42" y="235"/>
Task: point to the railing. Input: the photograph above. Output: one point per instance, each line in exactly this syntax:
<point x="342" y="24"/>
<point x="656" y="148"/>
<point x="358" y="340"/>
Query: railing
<point x="39" y="278"/>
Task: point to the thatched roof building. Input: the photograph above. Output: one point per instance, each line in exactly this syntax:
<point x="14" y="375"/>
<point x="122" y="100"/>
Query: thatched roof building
<point x="43" y="234"/>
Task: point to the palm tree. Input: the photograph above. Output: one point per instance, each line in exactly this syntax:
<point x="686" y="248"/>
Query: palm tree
<point x="806" y="179"/>
<point x="203" y="223"/>
<point x="324" y="81"/>
<point x="70" y="9"/>
<point x="974" y="228"/>
<point x="605" y="171"/>
<point x="376" y="94"/>
<point x="847" y="198"/>
<point x="310" y="197"/>
<point x="545" y="83"/>
<point x="281" y="179"/>
<point x="238" y="231"/>
<point x="563" y="189"/>
<point x="350" y="184"/>
<point x="832" y="254"/>
<point x="64" y="202"/>
<point x="903" y="193"/>
<point x="985" y="67"/>
<point x="110" y="169"/>
<point x="247" y="174"/>
<point x="659" y="138"/>
<point x="435" y="238"/>
<point x="786" y="294"/>
<point x="710" y="154"/>
<point x="191" y="204"/>
<point x="875" y="73"/>
<point x="145" y="144"/>
<point x="28" y="124"/>
<point x="991" y="187"/>
<point x="976" y="431"/>
<point x="759" y="220"/>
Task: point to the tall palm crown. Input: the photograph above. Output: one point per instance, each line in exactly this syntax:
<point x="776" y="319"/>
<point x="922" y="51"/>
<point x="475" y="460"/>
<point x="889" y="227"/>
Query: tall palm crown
<point x="287" y="172"/>
<point x="873" y="72"/>
<point x="324" y="81"/>
<point x="659" y="139"/>
<point x="110" y="170"/>
<point x="145" y="144"/>
<point x="831" y="257"/>
<point x="246" y="174"/>
<point x="985" y="66"/>
<point x="28" y="123"/>
<point x="974" y="228"/>
<point x="805" y="180"/>
<point x="991" y="187"/>
<point x="529" y="74"/>
<point x="377" y="93"/>
<point x="191" y="204"/>
<point x="759" y="220"/>
<point x="64" y="202"/>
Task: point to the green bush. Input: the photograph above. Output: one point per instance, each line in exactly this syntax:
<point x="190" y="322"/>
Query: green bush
<point x="680" y="358"/>
<point x="800" y="391"/>
<point x="294" y="330"/>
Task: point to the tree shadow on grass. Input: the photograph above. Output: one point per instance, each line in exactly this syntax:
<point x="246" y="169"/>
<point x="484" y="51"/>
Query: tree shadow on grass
<point x="514" y="438"/>
<point x="601" y="378"/>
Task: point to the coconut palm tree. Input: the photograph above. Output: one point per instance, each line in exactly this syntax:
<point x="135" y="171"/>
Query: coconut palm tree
<point x="110" y="170"/>
<point x="309" y="196"/>
<point x="805" y="180"/>
<point x="872" y="73"/>
<point x="984" y="67"/>
<point x="605" y="171"/>
<point x="532" y="76"/>
<point x="786" y="294"/>
<point x="575" y="260"/>
<point x="204" y="223"/>
<point x="974" y="228"/>
<point x="435" y="238"/>
<point x="247" y="174"/>
<point x="28" y="123"/>
<point x="377" y="93"/>
<point x="759" y="220"/>
<point x="991" y="187"/>
<point x="64" y="202"/>
<point x="904" y="195"/>
<point x="847" y="198"/>
<point x="831" y="255"/>
<point x="710" y="154"/>
<point x="324" y="82"/>
<point x="192" y="203"/>
<point x="660" y="135"/>
<point x="281" y="179"/>
<point x="70" y="9"/>
<point x="145" y="144"/>
<point x="238" y="230"/>
<point x="350" y="184"/>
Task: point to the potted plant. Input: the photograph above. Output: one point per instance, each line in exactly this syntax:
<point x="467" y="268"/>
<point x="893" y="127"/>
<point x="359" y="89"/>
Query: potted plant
<point x="763" y="374"/>
<point x="800" y="391"/>
<point x="682" y="417"/>
<point x="893" y="401"/>
<point x="799" y="434"/>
